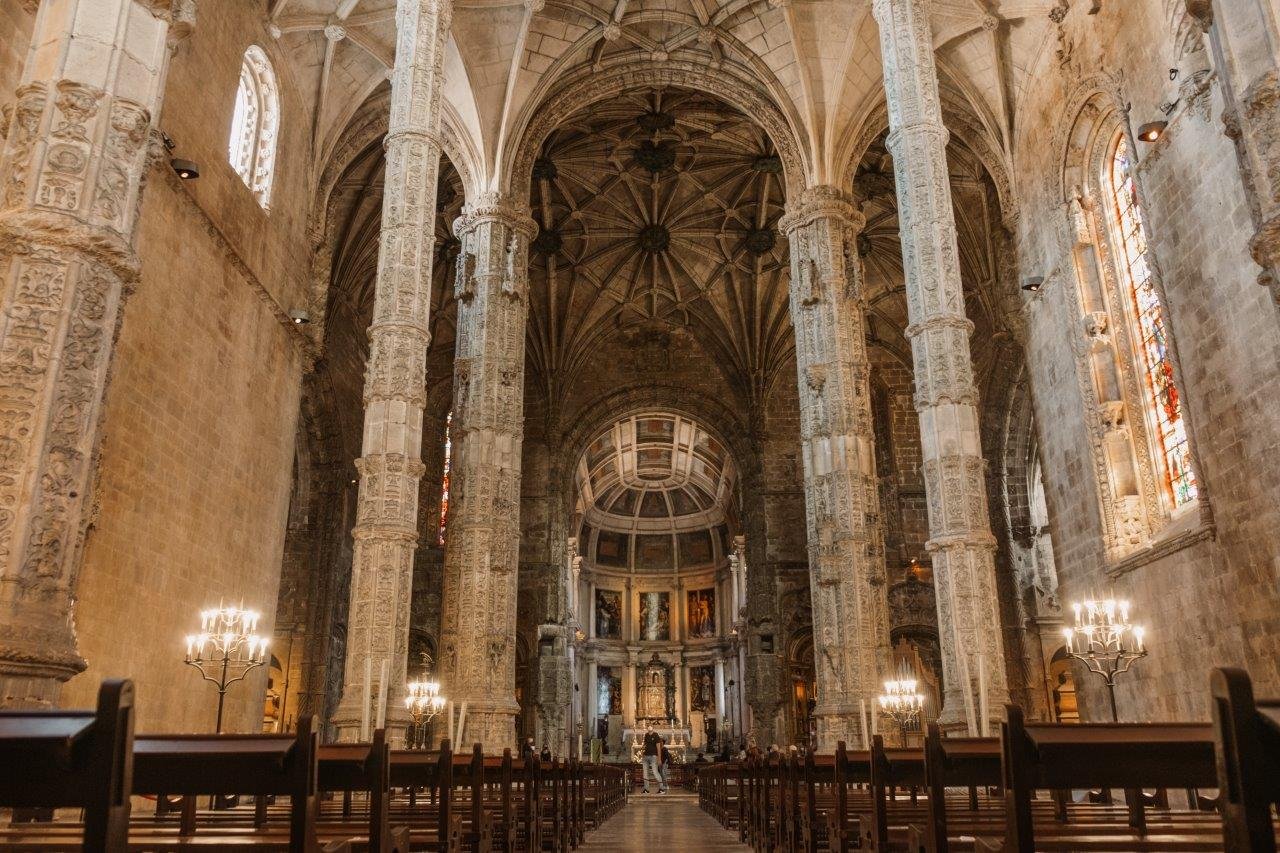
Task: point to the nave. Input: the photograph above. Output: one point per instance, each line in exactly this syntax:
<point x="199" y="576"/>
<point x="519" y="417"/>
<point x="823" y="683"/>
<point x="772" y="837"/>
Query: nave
<point x="663" y="822"/>
<point x="84" y="780"/>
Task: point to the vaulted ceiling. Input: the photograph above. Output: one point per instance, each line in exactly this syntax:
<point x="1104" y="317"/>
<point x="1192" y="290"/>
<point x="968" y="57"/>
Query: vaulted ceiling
<point x="818" y="60"/>
<point x="658" y="211"/>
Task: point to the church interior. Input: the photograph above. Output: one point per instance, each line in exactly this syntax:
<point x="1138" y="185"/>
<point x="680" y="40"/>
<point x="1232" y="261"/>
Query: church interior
<point x="795" y="379"/>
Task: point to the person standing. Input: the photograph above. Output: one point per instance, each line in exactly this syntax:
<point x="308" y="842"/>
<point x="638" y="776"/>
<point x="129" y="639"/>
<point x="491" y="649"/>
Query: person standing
<point x="546" y="753"/>
<point x="652" y="760"/>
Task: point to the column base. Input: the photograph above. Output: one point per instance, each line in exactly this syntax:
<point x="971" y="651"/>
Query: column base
<point x="492" y="724"/>
<point x="955" y="714"/>
<point x="34" y="664"/>
<point x="836" y="726"/>
<point x="347" y="726"/>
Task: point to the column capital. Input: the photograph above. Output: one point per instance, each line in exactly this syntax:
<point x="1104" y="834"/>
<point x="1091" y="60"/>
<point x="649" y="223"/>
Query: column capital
<point x="508" y="210"/>
<point x="821" y="201"/>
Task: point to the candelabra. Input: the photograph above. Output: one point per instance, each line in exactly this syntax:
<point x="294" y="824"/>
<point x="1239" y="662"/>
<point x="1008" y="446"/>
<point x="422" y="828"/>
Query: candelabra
<point x="902" y="702"/>
<point x="424" y="702"/>
<point x="226" y="649"/>
<point x="1105" y="641"/>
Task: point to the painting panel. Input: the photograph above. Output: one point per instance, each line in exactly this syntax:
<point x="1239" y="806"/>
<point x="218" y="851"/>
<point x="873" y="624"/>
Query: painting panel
<point x="608" y="692"/>
<point x="702" y="689"/>
<point x="608" y="614"/>
<point x="655" y="616"/>
<point x="701" y="609"/>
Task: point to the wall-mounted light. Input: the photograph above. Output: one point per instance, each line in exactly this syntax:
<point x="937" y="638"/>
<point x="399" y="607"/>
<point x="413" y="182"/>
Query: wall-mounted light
<point x="1032" y="284"/>
<point x="186" y="170"/>
<point x="1152" y="130"/>
<point x="299" y="317"/>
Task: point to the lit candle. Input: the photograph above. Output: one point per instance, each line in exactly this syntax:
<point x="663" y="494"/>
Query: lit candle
<point x="982" y="696"/>
<point x="1068" y="634"/>
<point x="364" y="700"/>
<point x="191" y="645"/>
<point x="1076" y="608"/>
<point x="1124" y="611"/>
<point x="1138" y="633"/>
<point x="382" y="694"/>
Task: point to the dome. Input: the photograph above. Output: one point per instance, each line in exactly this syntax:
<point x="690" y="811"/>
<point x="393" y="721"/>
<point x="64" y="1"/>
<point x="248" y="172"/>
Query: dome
<point x="655" y="494"/>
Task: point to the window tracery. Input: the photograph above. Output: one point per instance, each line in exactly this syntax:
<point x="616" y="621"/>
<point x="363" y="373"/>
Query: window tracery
<point x="1154" y="360"/>
<point x="255" y="125"/>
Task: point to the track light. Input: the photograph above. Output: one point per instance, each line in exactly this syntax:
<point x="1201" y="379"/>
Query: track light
<point x="1032" y="284"/>
<point x="186" y="170"/>
<point x="299" y="317"/>
<point x="1152" y="130"/>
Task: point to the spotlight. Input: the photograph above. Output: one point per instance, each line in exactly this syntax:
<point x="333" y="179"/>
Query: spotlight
<point x="186" y="170"/>
<point x="1152" y="130"/>
<point x="1032" y="284"/>
<point x="299" y="317"/>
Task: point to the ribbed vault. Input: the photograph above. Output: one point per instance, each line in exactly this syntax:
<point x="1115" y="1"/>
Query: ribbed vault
<point x="658" y="210"/>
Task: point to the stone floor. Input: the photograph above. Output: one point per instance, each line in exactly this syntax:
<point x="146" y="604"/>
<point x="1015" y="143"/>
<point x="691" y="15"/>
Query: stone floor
<point x="662" y="823"/>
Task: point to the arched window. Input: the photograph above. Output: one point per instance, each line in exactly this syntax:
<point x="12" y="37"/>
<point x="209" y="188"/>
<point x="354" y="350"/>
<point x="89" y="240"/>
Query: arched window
<point x="255" y="125"/>
<point x="444" y="480"/>
<point x="1164" y="403"/>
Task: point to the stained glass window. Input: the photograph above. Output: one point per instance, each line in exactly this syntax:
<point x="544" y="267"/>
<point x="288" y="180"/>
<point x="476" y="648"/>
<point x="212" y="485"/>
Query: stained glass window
<point x="255" y="124"/>
<point x="1149" y="327"/>
<point x="444" y="480"/>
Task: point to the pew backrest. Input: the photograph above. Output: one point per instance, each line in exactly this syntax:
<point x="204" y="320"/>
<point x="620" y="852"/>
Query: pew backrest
<point x="82" y="759"/>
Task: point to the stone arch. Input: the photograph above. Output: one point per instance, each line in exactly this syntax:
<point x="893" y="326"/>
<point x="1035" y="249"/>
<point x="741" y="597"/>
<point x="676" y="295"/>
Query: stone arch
<point x="587" y="87"/>
<point x="367" y="129"/>
<point x="962" y="124"/>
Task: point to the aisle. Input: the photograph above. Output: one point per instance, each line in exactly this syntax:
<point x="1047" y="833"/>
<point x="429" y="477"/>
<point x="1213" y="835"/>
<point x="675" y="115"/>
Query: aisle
<point x="662" y="823"/>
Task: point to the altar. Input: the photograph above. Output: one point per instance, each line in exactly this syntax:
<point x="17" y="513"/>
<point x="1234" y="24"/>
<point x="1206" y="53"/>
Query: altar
<point x="676" y="737"/>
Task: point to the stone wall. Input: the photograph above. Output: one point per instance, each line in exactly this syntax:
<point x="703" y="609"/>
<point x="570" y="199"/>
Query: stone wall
<point x="201" y="412"/>
<point x="1203" y="583"/>
<point x="15" y="35"/>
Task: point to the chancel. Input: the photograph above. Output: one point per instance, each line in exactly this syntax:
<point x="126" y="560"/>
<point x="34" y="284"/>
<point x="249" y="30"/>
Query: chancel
<point x="825" y="405"/>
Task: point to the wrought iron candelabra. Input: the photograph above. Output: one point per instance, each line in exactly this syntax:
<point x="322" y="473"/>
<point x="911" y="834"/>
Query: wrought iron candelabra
<point x="902" y="702"/>
<point x="1105" y="641"/>
<point x="227" y="649"/>
<point x="424" y="702"/>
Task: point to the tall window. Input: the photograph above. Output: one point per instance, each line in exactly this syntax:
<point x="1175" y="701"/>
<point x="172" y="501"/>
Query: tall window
<point x="1163" y="400"/>
<point x="444" y="480"/>
<point x="255" y="124"/>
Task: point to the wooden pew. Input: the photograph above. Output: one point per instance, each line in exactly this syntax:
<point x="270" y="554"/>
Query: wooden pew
<point x="889" y="769"/>
<point x="364" y="767"/>
<point x="964" y="762"/>
<point x="1247" y="734"/>
<point x="257" y="765"/>
<point x="1127" y="756"/>
<point x="440" y="827"/>
<point x="74" y="759"/>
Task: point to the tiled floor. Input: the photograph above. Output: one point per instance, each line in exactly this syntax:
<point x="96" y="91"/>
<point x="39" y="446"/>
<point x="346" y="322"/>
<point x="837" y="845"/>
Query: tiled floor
<point x="662" y="823"/>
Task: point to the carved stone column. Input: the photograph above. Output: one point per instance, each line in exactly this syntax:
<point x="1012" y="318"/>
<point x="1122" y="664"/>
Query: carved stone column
<point x="72" y="172"/>
<point x="850" y="608"/>
<point x="390" y="465"/>
<point x="1241" y="36"/>
<point x="483" y="546"/>
<point x="960" y="541"/>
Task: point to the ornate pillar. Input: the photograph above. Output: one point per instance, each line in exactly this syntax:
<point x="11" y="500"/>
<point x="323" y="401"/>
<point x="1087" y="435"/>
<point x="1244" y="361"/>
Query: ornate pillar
<point x="386" y="532"/>
<point x="946" y="399"/>
<point x="850" y="608"/>
<point x="72" y="171"/>
<point x="478" y="624"/>
<point x="1242" y="38"/>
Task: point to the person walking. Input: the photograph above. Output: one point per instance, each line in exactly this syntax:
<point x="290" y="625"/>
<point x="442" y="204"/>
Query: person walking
<point x="652" y="759"/>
